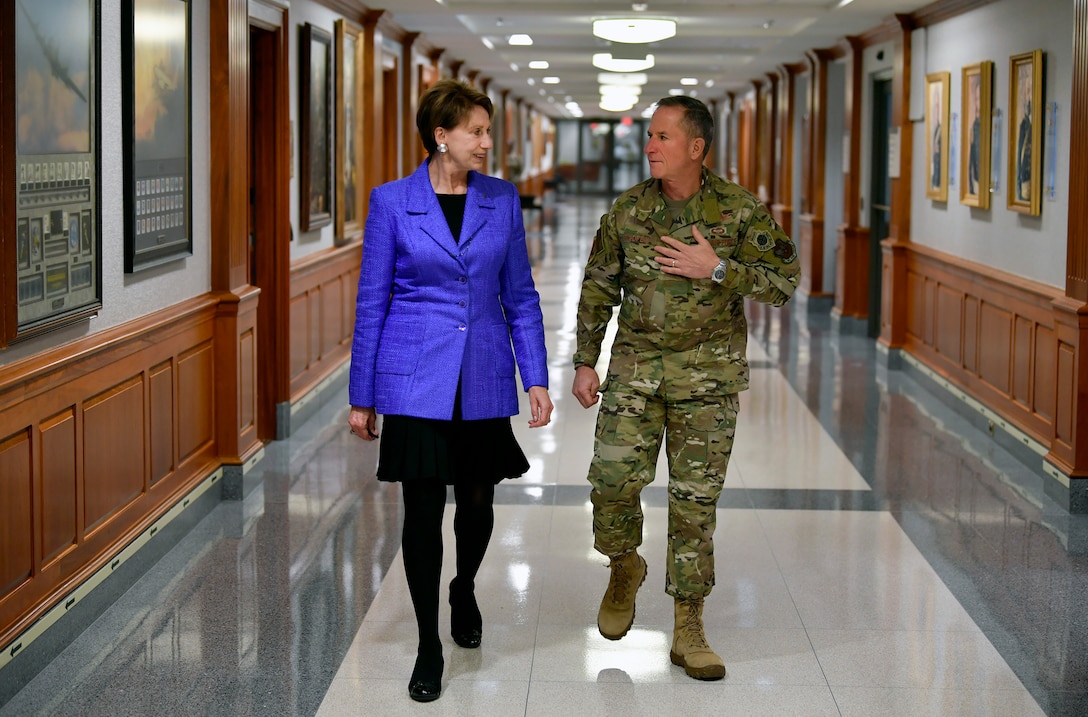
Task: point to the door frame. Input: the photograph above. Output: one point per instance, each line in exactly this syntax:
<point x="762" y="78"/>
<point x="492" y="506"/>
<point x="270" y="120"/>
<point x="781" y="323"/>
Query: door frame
<point x="269" y="212"/>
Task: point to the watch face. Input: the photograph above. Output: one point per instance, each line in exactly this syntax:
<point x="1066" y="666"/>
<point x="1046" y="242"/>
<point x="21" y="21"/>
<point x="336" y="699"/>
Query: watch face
<point x="718" y="275"/>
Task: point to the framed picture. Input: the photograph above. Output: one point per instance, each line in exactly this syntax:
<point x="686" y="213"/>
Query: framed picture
<point x="349" y="131"/>
<point x="155" y="63"/>
<point x="937" y="92"/>
<point x="977" y="113"/>
<point x="1024" y="193"/>
<point x="315" y="127"/>
<point x="55" y="115"/>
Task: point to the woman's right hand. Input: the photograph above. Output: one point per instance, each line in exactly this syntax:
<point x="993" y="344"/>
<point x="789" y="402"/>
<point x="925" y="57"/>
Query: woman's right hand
<point x="363" y="422"/>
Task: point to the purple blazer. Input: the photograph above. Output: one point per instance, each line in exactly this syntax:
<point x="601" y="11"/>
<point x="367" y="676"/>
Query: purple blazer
<point x="430" y="310"/>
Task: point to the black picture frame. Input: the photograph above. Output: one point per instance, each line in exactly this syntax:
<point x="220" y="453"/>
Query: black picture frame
<point x="315" y="72"/>
<point x="157" y="98"/>
<point x="57" y="112"/>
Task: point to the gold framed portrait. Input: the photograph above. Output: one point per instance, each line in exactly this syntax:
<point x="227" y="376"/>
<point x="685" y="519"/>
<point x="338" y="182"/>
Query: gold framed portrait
<point x="937" y="93"/>
<point x="1025" y="133"/>
<point x="977" y="113"/>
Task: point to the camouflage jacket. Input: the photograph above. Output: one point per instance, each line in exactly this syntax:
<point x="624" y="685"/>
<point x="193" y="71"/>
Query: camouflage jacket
<point x="693" y="325"/>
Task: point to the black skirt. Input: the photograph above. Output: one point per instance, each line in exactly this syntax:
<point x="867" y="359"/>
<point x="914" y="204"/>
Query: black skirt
<point x="450" y="452"/>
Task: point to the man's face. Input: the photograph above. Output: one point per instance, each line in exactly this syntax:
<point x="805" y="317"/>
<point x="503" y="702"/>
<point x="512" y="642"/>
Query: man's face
<point x="671" y="153"/>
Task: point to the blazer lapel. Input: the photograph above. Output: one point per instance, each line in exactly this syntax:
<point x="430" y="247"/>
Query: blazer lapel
<point x="422" y="206"/>
<point x="479" y="209"/>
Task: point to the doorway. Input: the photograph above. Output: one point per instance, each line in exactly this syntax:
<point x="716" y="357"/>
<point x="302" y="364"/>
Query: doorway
<point x="268" y="219"/>
<point x="601" y="157"/>
<point x="880" y="191"/>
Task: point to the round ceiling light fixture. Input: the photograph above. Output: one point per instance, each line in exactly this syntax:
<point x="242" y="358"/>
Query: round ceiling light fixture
<point x="605" y="61"/>
<point x="634" y="30"/>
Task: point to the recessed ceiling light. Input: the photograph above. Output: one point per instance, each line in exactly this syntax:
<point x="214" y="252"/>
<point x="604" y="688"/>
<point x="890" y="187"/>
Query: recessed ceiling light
<point x="520" y="39"/>
<point x="487" y="43"/>
<point x="538" y="65"/>
<point x="605" y="61"/>
<point x="634" y="29"/>
<point x="550" y="80"/>
<point x="688" y="81"/>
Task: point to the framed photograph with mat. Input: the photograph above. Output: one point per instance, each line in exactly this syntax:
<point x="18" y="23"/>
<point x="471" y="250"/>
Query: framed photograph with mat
<point x="155" y="65"/>
<point x="52" y="151"/>
<point x="315" y="70"/>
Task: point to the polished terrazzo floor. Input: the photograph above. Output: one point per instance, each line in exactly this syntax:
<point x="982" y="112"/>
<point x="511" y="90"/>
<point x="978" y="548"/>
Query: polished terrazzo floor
<point x="877" y="554"/>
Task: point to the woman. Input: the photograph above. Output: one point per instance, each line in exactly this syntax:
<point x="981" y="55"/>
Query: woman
<point x="445" y="285"/>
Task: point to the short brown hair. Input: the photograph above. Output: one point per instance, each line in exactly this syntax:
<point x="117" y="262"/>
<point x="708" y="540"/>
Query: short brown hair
<point x="697" y="120"/>
<point x="447" y="103"/>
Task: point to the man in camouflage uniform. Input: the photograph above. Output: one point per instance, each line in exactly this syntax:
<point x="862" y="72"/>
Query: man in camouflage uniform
<point x="678" y="253"/>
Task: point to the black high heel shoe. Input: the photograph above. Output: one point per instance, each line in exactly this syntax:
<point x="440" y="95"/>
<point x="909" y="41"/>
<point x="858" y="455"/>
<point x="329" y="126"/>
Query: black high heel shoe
<point x="466" y="623"/>
<point x="426" y="682"/>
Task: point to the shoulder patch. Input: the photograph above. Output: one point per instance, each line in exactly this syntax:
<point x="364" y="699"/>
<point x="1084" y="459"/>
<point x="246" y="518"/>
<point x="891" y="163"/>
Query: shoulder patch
<point x="762" y="240"/>
<point x="784" y="250"/>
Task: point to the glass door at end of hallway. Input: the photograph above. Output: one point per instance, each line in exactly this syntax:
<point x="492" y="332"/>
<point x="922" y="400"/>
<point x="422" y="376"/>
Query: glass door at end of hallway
<point x="601" y="157"/>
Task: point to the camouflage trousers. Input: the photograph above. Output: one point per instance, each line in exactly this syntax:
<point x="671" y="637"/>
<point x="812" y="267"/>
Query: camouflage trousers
<point x="698" y="434"/>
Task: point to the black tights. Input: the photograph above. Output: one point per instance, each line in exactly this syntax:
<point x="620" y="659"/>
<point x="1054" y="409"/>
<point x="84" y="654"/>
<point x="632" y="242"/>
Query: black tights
<point x="421" y="541"/>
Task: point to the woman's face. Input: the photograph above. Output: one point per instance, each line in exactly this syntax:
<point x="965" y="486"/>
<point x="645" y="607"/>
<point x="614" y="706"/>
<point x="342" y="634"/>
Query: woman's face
<point x="469" y="141"/>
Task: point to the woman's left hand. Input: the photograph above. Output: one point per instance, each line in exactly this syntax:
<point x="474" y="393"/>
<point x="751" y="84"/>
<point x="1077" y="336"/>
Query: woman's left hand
<point x="540" y="407"/>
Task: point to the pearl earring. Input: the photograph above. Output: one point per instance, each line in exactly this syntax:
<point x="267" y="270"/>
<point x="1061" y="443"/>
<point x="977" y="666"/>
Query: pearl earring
<point x="443" y="148"/>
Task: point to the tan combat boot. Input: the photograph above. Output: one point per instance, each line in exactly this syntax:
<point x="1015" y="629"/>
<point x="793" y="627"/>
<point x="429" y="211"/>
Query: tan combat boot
<point x="617" y="612"/>
<point x="689" y="647"/>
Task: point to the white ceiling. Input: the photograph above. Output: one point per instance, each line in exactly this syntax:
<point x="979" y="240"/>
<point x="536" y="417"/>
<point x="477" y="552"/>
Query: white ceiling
<point x="725" y="42"/>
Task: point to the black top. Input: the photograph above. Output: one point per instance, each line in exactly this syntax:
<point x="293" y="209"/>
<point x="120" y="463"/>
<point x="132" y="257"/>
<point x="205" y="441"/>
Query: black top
<point x="453" y="206"/>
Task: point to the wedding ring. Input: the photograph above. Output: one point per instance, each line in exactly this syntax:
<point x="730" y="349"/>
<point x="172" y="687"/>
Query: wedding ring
<point x="674" y="262"/>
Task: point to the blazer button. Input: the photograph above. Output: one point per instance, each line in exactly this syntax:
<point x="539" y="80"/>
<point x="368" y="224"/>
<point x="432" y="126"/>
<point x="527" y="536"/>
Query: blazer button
<point x="462" y="303"/>
<point x="462" y="279"/>
<point x="462" y="327"/>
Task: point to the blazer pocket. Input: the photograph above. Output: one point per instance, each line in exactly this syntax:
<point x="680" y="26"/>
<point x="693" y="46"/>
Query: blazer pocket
<point x="398" y="348"/>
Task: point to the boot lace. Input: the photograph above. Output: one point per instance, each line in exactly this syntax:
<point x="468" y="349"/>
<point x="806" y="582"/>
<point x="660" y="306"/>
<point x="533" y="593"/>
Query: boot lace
<point x="620" y="581"/>
<point x="693" y="626"/>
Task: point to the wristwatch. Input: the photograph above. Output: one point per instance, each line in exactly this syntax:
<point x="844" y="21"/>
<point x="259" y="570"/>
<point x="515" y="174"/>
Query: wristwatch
<point x="718" y="275"/>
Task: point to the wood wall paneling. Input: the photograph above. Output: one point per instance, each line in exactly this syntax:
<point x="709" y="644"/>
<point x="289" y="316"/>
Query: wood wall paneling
<point x="60" y="495"/>
<point x="1044" y="389"/>
<point x="161" y="414"/>
<point x="1022" y="360"/>
<point x="916" y="315"/>
<point x="247" y="380"/>
<point x="949" y="318"/>
<point x="852" y="275"/>
<point x="196" y="410"/>
<point x="16" y="512"/>
<point x="332" y="324"/>
<point x="995" y="347"/>
<point x="89" y="460"/>
<point x="811" y="249"/>
<point x="1065" y="407"/>
<point x="322" y="314"/>
<point x="300" y="335"/>
<point x="114" y="430"/>
<point x="971" y="306"/>
<point x="929" y="309"/>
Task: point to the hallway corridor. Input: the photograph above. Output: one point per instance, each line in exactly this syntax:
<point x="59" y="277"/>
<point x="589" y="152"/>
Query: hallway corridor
<point x="878" y="553"/>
